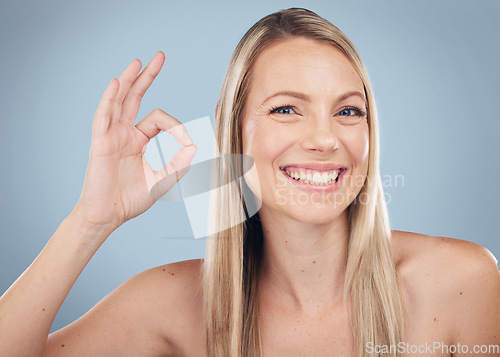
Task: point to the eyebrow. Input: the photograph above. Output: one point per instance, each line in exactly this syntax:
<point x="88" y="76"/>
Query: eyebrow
<point x="306" y="98"/>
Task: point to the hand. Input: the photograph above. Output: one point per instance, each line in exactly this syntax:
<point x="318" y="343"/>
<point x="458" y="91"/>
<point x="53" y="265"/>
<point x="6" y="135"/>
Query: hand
<point x="119" y="180"/>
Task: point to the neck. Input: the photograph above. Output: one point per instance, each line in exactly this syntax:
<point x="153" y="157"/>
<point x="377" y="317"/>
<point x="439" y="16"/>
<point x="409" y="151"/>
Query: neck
<point x="303" y="265"/>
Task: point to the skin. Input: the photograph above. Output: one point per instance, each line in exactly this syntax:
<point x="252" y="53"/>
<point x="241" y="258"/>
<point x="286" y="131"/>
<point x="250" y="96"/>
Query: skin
<point x="452" y="285"/>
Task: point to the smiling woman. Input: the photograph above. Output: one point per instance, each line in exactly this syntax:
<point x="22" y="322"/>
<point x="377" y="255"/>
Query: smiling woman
<point x="307" y="118"/>
<point x="316" y="271"/>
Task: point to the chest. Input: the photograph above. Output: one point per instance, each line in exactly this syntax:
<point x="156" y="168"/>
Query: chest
<point x="297" y="334"/>
<point x="329" y="334"/>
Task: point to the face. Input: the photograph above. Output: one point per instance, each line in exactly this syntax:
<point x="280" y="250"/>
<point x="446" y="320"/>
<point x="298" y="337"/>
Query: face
<point x="305" y="126"/>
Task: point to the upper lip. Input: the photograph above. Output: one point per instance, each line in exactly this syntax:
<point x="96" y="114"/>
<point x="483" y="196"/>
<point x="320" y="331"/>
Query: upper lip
<point x="319" y="166"/>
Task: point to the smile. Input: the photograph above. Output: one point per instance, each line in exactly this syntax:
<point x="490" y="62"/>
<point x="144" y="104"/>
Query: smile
<point x="314" y="177"/>
<point x="323" y="179"/>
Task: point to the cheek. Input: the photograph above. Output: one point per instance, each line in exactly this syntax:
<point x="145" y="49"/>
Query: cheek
<point x="356" y="142"/>
<point x="264" y="142"/>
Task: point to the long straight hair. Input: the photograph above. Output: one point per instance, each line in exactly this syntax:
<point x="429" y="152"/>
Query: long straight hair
<point x="373" y="290"/>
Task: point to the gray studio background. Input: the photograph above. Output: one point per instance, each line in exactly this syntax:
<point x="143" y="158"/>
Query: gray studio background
<point x="433" y="64"/>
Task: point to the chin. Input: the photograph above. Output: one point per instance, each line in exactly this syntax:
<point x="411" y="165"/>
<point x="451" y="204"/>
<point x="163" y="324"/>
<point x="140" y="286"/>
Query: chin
<point x="312" y="213"/>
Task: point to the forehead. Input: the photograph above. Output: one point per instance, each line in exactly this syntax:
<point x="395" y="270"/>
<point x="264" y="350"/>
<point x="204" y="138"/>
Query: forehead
<point x="304" y="65"/>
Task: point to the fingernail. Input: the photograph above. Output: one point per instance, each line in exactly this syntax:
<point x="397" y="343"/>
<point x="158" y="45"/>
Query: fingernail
<point x="188" y="138"/>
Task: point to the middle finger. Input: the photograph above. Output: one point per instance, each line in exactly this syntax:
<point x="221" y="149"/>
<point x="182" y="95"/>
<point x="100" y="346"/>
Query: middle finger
<point x="134" y="96"/>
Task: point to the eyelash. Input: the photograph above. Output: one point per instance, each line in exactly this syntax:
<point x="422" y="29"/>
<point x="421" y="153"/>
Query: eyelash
<point x="273" y="109"/>
<point x="360" y="113"/>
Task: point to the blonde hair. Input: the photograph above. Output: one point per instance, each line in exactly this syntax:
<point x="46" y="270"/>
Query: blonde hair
<point x="372" y="285"/>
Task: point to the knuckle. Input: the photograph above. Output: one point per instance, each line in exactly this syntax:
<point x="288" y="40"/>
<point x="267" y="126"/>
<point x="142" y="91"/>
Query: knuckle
<point x="173" y="166"/>
<point x="137" y="95"/>
<point x="151" y="75"/>
<point x="158" y="112"/>
<point x="179" y="127"/>
<point x="128" y="82"/>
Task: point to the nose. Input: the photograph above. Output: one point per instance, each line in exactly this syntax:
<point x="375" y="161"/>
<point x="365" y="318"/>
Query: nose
<point x="320" y="136"/>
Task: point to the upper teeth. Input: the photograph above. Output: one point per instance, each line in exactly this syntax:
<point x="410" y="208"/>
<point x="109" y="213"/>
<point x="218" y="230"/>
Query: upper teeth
<point x="312" y="176"/>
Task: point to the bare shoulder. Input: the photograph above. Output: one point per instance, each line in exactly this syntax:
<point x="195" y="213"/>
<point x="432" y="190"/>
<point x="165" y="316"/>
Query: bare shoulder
<point x="152" y="313"/>
<point x="452" y="281"/>
<point x="179" y="295"/>
<point x="441" y="263"/>
<point x="454" y="255"/>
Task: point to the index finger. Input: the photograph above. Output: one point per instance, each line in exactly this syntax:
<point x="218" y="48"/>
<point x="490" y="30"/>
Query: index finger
<point x="134" y="96"/>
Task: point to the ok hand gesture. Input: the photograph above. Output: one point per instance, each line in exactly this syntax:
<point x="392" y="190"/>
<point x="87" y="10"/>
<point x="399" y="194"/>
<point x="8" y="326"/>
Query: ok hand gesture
<point x="119" y="180"/>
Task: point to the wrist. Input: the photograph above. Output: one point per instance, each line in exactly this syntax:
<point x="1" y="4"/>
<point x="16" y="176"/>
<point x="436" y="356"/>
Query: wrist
<point x="90" y="236"/>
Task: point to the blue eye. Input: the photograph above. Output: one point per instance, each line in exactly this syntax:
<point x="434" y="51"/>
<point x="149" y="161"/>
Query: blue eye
<point x="351" y="112"/>
<point x="286" y="109"/>
<point x="347" y="112"/>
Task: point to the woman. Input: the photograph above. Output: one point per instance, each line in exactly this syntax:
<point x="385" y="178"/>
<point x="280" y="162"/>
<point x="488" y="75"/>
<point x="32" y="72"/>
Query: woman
<point x="316" y="272"/>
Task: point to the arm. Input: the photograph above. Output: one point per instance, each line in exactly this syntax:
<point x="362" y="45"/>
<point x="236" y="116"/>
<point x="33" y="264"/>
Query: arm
<point x="154" y="313"/>
<point x="477" y="302"/>
<point x="117" y="188"/>
<point x="29" y="306"/>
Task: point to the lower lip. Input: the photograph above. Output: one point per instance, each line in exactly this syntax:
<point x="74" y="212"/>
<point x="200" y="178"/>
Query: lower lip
<point x="316" y="188"/>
